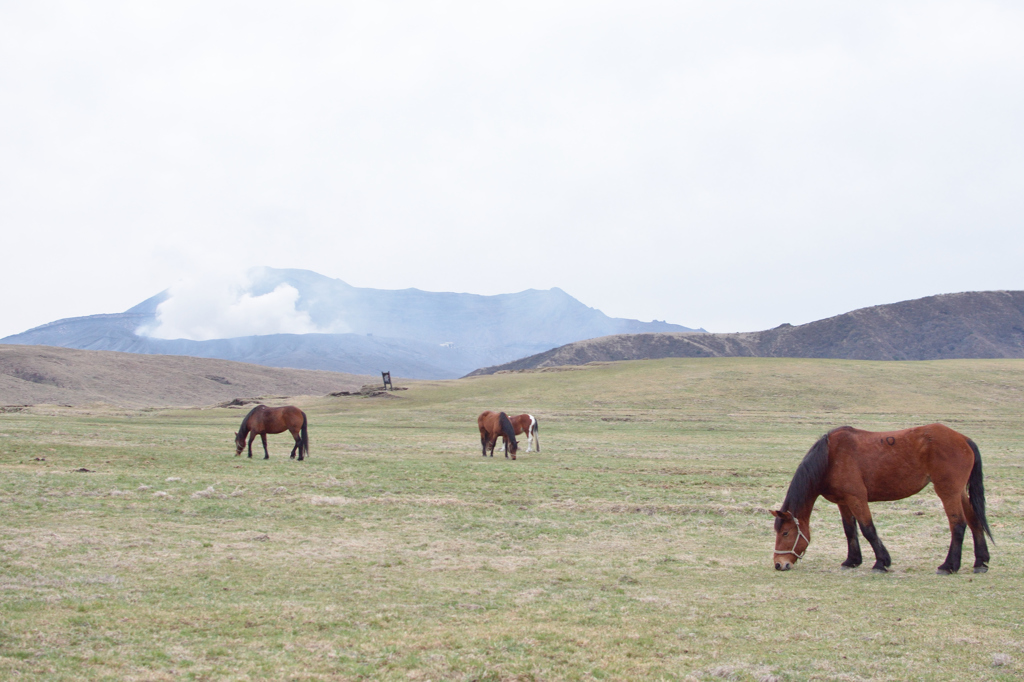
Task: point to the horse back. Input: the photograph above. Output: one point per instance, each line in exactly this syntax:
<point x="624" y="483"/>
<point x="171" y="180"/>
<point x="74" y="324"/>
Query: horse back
<point x="277" y="419"/>
<point x="487" y="422"/>
<point x="521" y="423"/>
<point x="892" y="465"/>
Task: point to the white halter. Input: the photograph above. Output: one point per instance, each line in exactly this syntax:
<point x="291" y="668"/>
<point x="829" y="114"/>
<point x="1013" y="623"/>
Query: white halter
<point x="799" y="534"/>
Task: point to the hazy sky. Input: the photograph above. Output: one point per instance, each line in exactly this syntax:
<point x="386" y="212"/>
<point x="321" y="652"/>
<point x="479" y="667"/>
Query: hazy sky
<point x="731" y="165"/>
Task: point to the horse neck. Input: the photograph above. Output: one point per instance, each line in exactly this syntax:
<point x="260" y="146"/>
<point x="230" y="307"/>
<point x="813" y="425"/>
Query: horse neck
<point x="245" y="429"/>
<point x="809" y="480"/>
<point x="803" y="514"/>
<point x="802" y="507"/>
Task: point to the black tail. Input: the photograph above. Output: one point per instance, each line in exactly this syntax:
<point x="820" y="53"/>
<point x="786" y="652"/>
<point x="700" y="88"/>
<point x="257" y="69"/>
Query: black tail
<point x="303" y="438"/>
<point x="536" y="438"/>
<point x="508" y="430"/>
<point x="976" y="490"/>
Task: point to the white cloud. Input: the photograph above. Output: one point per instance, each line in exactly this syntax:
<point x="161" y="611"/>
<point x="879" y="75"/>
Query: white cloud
<point x="204" y="307"/>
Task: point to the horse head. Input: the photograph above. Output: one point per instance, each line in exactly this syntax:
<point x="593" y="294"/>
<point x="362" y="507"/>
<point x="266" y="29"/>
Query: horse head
<point x="239" y="443"/>
<point x="791" y="540"/>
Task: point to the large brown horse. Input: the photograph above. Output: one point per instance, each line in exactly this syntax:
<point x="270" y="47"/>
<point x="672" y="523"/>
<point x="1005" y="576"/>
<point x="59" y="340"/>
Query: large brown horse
<point x="262" y="420"/>
<point x="495" y="425"/>
<point x="850" y="468"/>
<point x="526" y="423"/>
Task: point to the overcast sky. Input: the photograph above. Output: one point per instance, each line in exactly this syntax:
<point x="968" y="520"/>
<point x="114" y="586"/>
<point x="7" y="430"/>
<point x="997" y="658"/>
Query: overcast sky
<point x="731" y="165"/>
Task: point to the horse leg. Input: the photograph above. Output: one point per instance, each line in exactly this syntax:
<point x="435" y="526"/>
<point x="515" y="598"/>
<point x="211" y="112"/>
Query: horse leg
<point x="266" y="453"/>
<point x="951" y="502"/>
<point x="860" y="510"/>
<point x="252" y="437"/>
<point x="504" y="444"/>
<point x="981" y="555"/>
<point x="853" y="555"/>
<point x="296" y="446"/>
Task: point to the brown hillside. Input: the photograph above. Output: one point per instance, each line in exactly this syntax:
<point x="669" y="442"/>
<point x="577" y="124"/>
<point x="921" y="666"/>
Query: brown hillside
<point x="33" y="375"/>
<point x="986" y="324"/>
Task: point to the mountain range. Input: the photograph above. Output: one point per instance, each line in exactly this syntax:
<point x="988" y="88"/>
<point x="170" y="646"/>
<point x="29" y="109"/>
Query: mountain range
<point x="411" y="333"/>
<point x="982" y="324"/>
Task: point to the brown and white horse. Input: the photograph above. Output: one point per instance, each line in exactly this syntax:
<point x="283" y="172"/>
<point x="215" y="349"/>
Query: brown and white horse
<point x="850" y="467"/>
<point x="494" y="425"/>
<point x="527" y="423"/>
<point x="262" y="420"/>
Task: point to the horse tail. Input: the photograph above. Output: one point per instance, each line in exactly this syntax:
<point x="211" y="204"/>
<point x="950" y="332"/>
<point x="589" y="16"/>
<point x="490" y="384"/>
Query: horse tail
<point x="507" y="430"/>
<point x="303" y="438"/>
<point x="976" y="490"/>
<point x="535" y="429"/>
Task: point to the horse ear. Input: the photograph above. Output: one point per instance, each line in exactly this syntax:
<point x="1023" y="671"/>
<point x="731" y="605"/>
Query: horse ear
<point x="776" y="514"/>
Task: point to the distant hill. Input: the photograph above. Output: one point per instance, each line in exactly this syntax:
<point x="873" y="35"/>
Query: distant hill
<point x="985" y="324"/>
<point x="33" y="375"/>
<point x="412" y="333"/>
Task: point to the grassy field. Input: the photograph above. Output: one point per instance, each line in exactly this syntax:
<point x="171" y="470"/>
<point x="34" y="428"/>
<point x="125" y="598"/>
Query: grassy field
<point x="635" y="545"/>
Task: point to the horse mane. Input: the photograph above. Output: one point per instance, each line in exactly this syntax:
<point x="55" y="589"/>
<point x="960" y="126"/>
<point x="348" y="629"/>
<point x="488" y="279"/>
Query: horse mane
<point x="507" y="430"/>
<point x="809" y="477"/>
<point x="243" y="430"/>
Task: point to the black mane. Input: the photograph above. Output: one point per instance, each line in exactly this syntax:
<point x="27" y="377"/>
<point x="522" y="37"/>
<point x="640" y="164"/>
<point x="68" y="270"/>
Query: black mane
<point x="508" y="430"/>
<point x="809" y="477"/>
<point x="243" y="430"/>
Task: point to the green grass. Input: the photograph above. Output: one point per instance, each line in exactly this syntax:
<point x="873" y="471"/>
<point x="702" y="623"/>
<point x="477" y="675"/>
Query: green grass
<point x="636" y="545"/>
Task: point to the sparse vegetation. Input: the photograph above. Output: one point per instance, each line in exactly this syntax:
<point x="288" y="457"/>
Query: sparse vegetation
<point x="636" y="545"/>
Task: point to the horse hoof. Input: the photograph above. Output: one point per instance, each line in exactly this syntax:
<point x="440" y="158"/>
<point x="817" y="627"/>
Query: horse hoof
<point x="943" y="571"/>
<point x="879" y="569"/>
<point x="981" y="569"/>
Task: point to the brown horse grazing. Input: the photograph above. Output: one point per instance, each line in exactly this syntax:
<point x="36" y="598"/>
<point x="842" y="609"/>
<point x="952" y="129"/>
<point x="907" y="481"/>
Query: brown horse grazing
<point x="850" y="468"/>
<point x="263" y="420"/>
<point x="526" y="423"/>
<point x="494" y="425"/>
